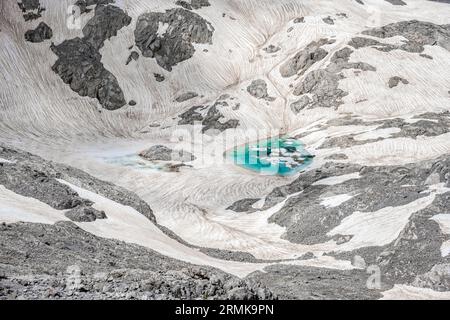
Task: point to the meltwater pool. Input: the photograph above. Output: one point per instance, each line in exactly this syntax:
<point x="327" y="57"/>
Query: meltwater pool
<point x="274" y="156"/>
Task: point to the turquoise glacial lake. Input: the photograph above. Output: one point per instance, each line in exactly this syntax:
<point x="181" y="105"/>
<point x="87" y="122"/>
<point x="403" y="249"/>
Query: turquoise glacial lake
<point x="275" y="156"/>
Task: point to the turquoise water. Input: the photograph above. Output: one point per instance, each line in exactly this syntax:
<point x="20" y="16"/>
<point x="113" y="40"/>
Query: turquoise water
<point x="275" y="156"/>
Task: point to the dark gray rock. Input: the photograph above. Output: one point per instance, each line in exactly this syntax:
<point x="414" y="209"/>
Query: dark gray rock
<point x="308" y="283"/>
<point x="362" y="42"/>
<point x="40" y="176"/>
<point x="394" y="81"/>
<point x="213" y="121"/>
<point x="414" y="258"/>
<point x="132" y="103"/>
<point x="197" y="4"/>
<point x="176" y="44"/>
<point x="323" y="84"/>
<point x="159" y="77"/>
<point x="84" y="4"/>
<point x="79" y="60"/>
<point x="210" y="117"/>
<point x="429" y="125"/>
<point x="244" y="205"/>
<point x="186" y="96"/>
<point x="299" y="20"/>
<point x="303" y="60"/>
<point x="427" y="56"/>
<point x="307" y="221"/>
<point x="328" y="20"/>
<point x="437" y="279"/>
<point x="191" y="116"/>
<point x="133" y="56"/>
<point x="30" y="181"/>
<point x="272" y="49"/>
<point x="105" y="24"/>
<point x="41" y="33"/>
<point x="163" y="153"/>
<point x="397" y="2"/>
<point x="29" y="5"/>
<point x="31" y="9"/>
<point x="258" y="89"/>
<point x="417" y="33"/>
<point x="57" y="255"/>
<point x="193" y="4"/>
<point x="79" y="65"/>
<point x="85" y="214"/>
<point x="300" y="104"/>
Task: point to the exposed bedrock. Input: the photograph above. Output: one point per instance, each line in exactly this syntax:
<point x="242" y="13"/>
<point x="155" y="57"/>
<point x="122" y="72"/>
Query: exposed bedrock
<point x="397" y="2"/>
<point x="303" y="60"/>
<point x="323" y="85"/>
<point x="186" y="96"/>
<point x="308" y="220"/>
<point x="85" y="214"/>
<point x="27" y="5"/>
<point x="210" y="117"/>
<point x="320" y="88"/>
<point x="34" y="177"/>
<point x="415" y="257"/>
<point x="163" y="153"/>
<point x="244" y="205"/>
<point x="271" y="49"/>
<point x="394" y="81"/>
<point x="32" y="182"/>
<point x="84" y="4"/>
<point x="193" y="4"/>
<point x="427" y="124"/>
<point x="309" y="283"/>
<point x="105" y="24"/>
<point x="79" y="60"/>
<point x="173" y="43"/>
<point x="328" y="20"/>
<point x="79" y="65"/>
<point x="107" y="269"/>
<point x="41" y="33"/>
<point x="31" y="9"/>
<point x="258" y="89"/>
<point x="213" y="121"/>
<point x="417" y="33"/>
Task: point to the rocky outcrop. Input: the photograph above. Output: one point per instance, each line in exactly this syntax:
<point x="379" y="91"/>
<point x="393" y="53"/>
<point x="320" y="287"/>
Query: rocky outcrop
<point x="193" y="4"/>
<point x="67" y="262"/>
<point x="163" y="153"/>
<point x="271" y="49"/>
<point x="418" y="34"/>
<point x="79" y="65"/>
<point x="134" y="56"/>
<point x="328" y="20"/>
<point x="322" y="85"/>
<point x="159" y="77"/>
<point x="41" y="33"/>
<point x="174" y="43"/>
<point x="210" y="117"/>
<point x="105" y="24"/>
<point x="303" y="60"/>
<point x="84" y="4"/>
<point x="32" y="176"/>
<point x="186" y="96"/>
<point x="79" y="60"/>
<point x="244" y="205"/>
<point x="31" y="9"/>
<point x="394" y="81"/>
<point x="85" y="214"/>
<point x="258" y="89"/>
